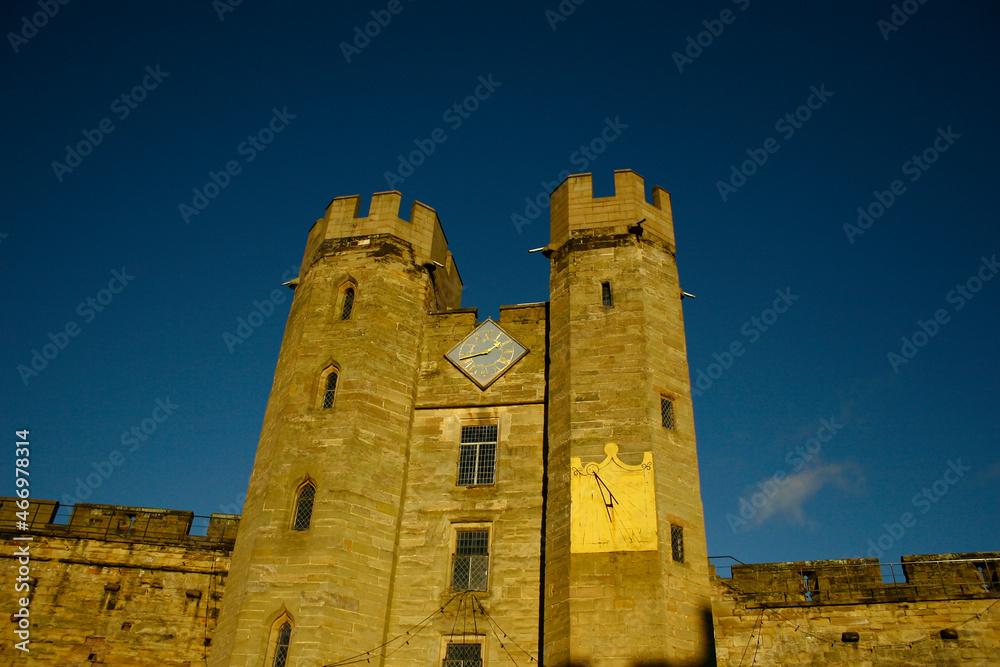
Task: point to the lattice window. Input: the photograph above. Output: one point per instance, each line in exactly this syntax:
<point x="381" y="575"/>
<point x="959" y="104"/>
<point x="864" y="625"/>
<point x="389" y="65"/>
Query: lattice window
<point x="667" y="413"/>
<point x="463" y="655"/>
<point x="345" y="314"/>
<point x="330" y="391"/>
<point x="304" y="507"/>
<point x="281" y="649"/>
<point x="470" y="563"/>
<point x="477" y="459"/>
<point x="606" y="297"/>
<point x="677" y="542"/>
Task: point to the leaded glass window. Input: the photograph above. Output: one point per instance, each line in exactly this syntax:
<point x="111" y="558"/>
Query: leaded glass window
<point x="606" y="297"/>
<point x="677" y="542"/>
<point x="304" y="507"/>
<point x="477" y="457"/>
<point x="281" y="650"/>
<point x="470" y="564"/>
<point x="348" y="304"/>
<point x="331" y="390"/>
<point x="667" y="413"/>
<point x="463" y="655"/>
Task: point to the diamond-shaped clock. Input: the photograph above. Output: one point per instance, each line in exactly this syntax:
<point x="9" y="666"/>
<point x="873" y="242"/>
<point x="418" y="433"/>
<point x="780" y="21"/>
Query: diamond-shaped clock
<point x="486" y="354"/>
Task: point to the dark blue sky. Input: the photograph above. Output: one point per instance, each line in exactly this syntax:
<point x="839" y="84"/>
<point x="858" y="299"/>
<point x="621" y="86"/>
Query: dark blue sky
<point x="838" y="111"/>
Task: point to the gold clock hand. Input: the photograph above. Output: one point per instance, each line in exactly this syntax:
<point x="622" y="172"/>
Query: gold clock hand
<point x="476" y="354"/>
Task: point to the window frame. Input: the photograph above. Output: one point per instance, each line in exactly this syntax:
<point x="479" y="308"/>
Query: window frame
<point x="331" y="368"/>
<point x="457" y="528"/>
<point x="677" y="543"/>
<point x="482" y="640"/>
<point x="274" y="637"/>
<point x="348" y="298"/>
<point x="307" y="484"/>
<point x="607" y="295"/>
<point x="478" y="458"/>
<point x="462" y="662"/>
<point x="341" y="302"/>
<point x="668" y="422"/>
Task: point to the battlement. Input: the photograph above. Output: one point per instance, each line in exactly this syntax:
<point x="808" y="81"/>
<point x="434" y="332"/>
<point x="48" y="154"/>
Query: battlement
<point x="574" y="208"/>
<point x="118" y="523"/>
<point x="422" y="231"/>
<point x="341" y="228"/>
<point x="865" y="580"/>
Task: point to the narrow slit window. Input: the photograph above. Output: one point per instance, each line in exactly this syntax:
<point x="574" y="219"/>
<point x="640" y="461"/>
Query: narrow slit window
<point x="330" y="391"/>
<point x="667" y="413"/>
<point x="281" y="648"/>
<point x="470" y="563"/>
<point x="345" y="314"/>
<point x="477" y="459"/>
<point x="677" y="543"/>
<point x="606" y="297"/>
<point x="463" y="655"/>
<point x="304" y="507"/>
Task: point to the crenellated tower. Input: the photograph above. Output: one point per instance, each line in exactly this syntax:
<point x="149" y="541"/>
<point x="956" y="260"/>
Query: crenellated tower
<point x="626" y="572"/>
<point x="317" y="545"/>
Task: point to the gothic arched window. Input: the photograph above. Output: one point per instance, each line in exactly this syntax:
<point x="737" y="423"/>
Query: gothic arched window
<point x="304" y="506"/>
<point x="345" y="314"/>
<point x="281" y="648"/>
<point x="279" y="641"/>
<point x="330" y="389"/>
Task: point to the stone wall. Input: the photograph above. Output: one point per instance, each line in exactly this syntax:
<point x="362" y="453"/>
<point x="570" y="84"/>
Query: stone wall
<point x="941" y="609"/>
<point x="436" y="506"/>
<point x="114" y="585"/>
<point x="132" y="586"/>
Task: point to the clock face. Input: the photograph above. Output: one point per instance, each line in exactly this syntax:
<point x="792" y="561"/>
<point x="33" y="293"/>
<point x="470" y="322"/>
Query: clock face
<point x="486" y="354"/>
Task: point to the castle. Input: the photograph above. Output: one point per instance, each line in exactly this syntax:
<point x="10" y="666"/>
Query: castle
<point x="434" y="489"/>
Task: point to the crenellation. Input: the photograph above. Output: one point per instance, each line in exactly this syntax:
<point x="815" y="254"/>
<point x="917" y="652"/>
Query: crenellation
<point x="364" y="484"/>
<point x="926" y="577"/>
<point x="120" y="523"/>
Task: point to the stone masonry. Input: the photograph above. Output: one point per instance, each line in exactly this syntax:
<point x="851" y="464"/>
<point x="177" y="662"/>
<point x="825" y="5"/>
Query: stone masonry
<point x="578" y="539"/>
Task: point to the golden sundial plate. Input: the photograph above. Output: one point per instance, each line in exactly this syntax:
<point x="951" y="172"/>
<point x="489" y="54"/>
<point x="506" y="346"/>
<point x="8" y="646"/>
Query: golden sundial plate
<point x="613" y="505"/>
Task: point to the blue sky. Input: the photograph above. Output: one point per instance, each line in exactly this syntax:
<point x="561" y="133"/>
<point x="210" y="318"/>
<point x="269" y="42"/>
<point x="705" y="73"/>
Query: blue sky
<point x="770" y="124"/>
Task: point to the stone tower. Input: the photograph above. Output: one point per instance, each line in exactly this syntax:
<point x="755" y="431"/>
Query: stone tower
<point x="419" y="468"/>
<point x="364" y="288"/>
<point x="626" y="569"/>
